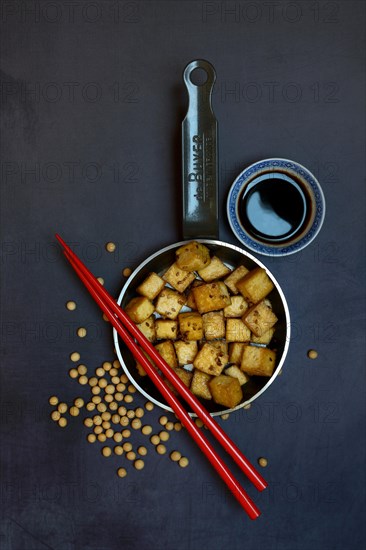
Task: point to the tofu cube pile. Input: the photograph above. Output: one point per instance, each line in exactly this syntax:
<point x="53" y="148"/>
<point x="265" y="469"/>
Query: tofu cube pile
<point x="209" y="322"/>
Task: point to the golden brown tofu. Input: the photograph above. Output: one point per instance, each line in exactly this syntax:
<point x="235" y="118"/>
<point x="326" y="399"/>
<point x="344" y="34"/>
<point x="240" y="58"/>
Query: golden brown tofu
<point x="167" y="351"/>
<point x="215" y="270"/>
<point x="258" y="361"/>
<point x="210" y="360"/>
<point x="221" y="345"/>
<point x="226" y="391"/>
<point x="237" y="308"/>
<point x="185" y="375"/>
<point x="235" y="372"/>
<point x="213" y="325"/>
<point x="166" y="329"/>
<point x="191" y="303"/>
<point x="237" y="331"/>
<point x="190" y="325"/>
<point x="140" y="368"/>
<point x="186" y="351"/>
<point x="235" y="276"/>
<point x="199" y="384"/>
<point x="169" y="303"/>
<point x="235" y="352"/>
<point x="192" y="256"/>
<point x="178" y="278"/>
<point x="255" y="285"/>
<point x="265" y="338"/>
<point x="139" y="309"/>
<point x="151" y="286"/>
<point x="211" y="296"/>
<point x="260" y="318"/>
<point x="148" y="328"/>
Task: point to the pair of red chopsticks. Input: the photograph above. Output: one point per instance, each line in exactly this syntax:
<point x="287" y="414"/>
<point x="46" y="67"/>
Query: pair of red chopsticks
<point x="128" y="331"/>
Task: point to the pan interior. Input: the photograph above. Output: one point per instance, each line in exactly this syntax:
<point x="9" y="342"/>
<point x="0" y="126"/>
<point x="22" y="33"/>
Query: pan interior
<point x="232" y="256"/>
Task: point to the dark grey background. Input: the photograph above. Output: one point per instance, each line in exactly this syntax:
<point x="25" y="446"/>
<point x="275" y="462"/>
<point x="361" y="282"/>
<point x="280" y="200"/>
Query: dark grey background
<point x="92" y="100"/>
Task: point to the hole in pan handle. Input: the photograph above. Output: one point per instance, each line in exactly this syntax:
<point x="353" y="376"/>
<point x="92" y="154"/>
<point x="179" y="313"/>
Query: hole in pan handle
<point x="200" y="156"/>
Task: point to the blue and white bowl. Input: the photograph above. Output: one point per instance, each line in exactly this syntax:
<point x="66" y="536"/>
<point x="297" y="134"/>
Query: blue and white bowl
<point x="292" y="169"/>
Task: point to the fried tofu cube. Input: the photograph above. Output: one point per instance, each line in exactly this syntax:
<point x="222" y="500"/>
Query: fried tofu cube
<point x="166" y="329"/>
<point x="237" y="308"/>
<point x="192" y="256"/>
<point x="178" y="278"/>
<point x="235" y="276"/>
<point x="186" y="351"/>
<point x="237" y="331"/>
<point x="140" y="368"/>
<point x="265" y="338"/>
<point x="167" y="351"/>
<point x="211" y="296"/>
<point x="199" y="384"/>
<point x="191" y="303"/>
<point x="258" y="361"/>
<point x="235" y="372"/>
<point x="147" y="328"/>
<point x="169" y="303"/>
<point x="226" y="391"/>
<point x="215" y="270"/>
<point x="221" y="345"/>
<point x="151" y="286"/>
<point x="139" y="309"/>
<point x="185" y="375"/>
<point x="255" y="285"/>
<point x="260" y="318"/>
<point x="210" y="360"/>
<point x="213" y="325"/>
<point x="235" y="352"/>
<point x="190" y="325"/>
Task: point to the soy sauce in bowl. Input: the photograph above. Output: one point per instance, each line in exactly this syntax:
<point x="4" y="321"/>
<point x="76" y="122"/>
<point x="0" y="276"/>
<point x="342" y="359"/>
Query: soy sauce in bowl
<point x="273" y="207"/>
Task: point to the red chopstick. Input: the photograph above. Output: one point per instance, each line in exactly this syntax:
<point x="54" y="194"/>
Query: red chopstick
<point x="111" y="308"/>
<point x="240" y="494"/>
<point x="196" y="405"/>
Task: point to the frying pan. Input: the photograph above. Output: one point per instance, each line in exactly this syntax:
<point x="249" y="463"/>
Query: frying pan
<point x="200" y="223"/>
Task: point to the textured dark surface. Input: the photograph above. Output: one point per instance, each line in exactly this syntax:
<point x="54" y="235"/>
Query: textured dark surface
<point x="92" y="100"/>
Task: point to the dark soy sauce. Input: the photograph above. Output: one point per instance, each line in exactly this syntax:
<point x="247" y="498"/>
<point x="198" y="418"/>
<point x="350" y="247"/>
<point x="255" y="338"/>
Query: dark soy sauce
<point x="273" y="207"/>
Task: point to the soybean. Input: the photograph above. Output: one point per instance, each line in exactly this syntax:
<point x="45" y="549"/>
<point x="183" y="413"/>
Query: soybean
<point x="161" y="449"/>
<point x="175" y="456"/>
<point x="82" y="369"/>
<point x="139" y="464"/>
<point x="183" y="462"/>
<point x="74" y="411"/>
<point x="106" y="451"/>
<point x="62" y="408"/>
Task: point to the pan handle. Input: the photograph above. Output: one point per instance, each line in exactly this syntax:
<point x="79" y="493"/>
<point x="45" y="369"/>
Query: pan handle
<point x="200" y="157"/>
